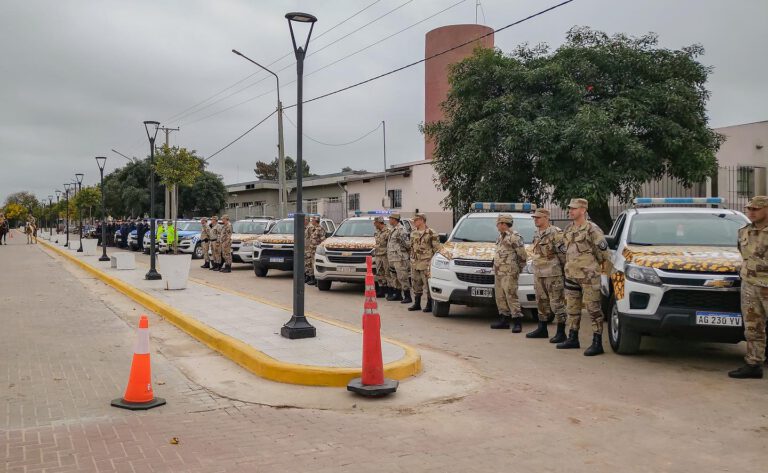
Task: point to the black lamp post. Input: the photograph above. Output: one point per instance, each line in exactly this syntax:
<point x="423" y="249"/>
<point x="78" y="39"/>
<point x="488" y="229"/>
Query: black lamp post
<point x="58" y="194"/>
<point x="151" y="128"/>
<point x="66" y="203"/>
<point x="79" y="177"/>
<point x="101" y="161"/>
<point x="299" y="326"/>
<point x="50" y="208"/>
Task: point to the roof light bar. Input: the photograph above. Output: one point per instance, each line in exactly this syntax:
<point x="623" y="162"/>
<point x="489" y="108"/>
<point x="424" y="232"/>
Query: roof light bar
<point x="678" y="201"/>
<point x="502" y="207"/>
<point x="372" y="212"/>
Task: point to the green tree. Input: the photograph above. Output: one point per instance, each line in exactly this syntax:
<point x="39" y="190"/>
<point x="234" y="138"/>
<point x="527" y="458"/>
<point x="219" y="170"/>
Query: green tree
<point x="206" y="196"/>
<point x="599" y="116"/>
<point x="269" y="171"/>
<point x="15" y="213"/>
<point x="87" y="199"/>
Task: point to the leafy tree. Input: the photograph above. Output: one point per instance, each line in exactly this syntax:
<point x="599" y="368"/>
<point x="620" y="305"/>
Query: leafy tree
<point x="599" y="116"/>
<point x="269" y="171"/>
<point x="206" y="196"/>
<point x="87" y="199"/>
<point x="15" y="212"/>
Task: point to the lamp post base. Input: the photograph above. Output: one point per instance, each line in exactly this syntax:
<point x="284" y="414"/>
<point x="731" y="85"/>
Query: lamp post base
<point x="152" y="275"/>
<point x="80" y="250"/>
<point x="298" y="327"/>
<point x="104" y="258"/>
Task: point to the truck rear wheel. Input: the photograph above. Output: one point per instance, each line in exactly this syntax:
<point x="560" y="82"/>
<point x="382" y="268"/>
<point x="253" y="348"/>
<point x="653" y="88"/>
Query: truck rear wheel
<point x="624" y="340"/>
<point x="261" y="271"/>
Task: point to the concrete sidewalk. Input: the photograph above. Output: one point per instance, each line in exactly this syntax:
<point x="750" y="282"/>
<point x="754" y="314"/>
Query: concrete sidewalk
<point x="215" y="316"/>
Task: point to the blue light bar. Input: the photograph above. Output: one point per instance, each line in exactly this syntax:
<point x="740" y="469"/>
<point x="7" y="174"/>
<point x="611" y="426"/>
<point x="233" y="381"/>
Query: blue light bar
<point x="293" y="214"/>
<point x="502" y="207"/>
<point x="372" y="212"/>
<point x="678" y="201"/>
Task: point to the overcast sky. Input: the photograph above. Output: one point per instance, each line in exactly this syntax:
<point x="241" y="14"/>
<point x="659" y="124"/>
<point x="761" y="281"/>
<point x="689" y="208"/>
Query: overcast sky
<point x="77" y="78"/>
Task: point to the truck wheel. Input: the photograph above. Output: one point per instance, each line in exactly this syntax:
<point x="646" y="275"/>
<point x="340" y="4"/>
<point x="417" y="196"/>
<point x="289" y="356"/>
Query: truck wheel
<point x="261" y="271"/>
<point x="324" y="285"/>
<point x="624" y="341"/>
<point x="198" y="253"/>
<point x="440" y="309"/>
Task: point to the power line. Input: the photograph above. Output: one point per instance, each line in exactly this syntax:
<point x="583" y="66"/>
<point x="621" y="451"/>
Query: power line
<point x="332" y="144"/>
<point x="241" y="136"/>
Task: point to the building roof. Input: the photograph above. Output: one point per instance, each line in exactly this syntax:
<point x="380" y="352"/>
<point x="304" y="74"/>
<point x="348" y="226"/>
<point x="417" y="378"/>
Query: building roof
<point x="394" y="170"/>
<point x="309" y="181"/>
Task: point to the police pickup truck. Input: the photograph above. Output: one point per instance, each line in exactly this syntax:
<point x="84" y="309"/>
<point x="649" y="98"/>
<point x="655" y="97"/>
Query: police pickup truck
<point x="275" y="249"/>
<point x="462" y="272"/>
<point x="244" y="233"/>
<point x="675" y="272"/>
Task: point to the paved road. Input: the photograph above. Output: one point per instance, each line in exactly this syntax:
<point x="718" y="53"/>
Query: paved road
<point x="63" y="357"/>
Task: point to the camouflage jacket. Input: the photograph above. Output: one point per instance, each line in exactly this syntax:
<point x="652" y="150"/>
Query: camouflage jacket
<point x="753" y="246"/>
<point x="424" y="244"/>
<point x="205" y="233"/>
<point x="510" y="257"/>
<point x="382" y="238"/>
<point x="585" y="250"/>
<point x="225" y="234"/>
<point x="315" y="235"/>
<point x="548" y="255"/>
<point x="213" y="231"/>
<point x="398" y="244"/>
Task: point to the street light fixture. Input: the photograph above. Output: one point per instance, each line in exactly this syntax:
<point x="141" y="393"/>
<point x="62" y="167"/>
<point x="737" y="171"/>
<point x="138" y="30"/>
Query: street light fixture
<point x="79" y="177"/>
<point x="66" y="203"/>
<point x="58" y="194"/>
<point x="50" y="208"/>
<point x="299" y="326"/>
<point x="101" y="161"/>
<point x="151" y="128"/>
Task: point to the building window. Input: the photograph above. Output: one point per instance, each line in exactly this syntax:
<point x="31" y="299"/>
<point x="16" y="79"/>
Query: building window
<point x="250" y="186"/>
<point x="745" y="181"/>
<point x="354" y="202"/>
<point x="334" y="199"/>
<point x="311" y="206"/>
<point x="395" y="198"/>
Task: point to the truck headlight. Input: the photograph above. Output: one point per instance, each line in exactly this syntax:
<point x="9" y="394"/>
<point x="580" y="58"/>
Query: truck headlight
<point x="247" y="246"/>
<point x="257" y="244"/>
<point x="320" y="250"/>
<point x="440" y="262"/>
<point x="643" y="275"/>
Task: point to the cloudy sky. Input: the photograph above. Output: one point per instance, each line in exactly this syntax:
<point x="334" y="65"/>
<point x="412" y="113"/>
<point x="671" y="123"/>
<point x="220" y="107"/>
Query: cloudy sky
<point x="77" y="77"/>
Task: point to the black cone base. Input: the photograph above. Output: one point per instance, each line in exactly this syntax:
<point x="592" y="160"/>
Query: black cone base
<point x="378" y="390"/>
<point x="138" y="406"/>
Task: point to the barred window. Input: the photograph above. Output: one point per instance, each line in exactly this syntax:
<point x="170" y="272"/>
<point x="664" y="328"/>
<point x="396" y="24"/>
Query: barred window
<point x="354" y="202"/>
<point x="745" y="181"/>
<point x="395" y="198"/>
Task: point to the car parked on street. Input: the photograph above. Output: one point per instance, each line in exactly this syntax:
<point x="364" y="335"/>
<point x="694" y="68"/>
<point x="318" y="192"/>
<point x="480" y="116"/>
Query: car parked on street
<point x="275" y="249"/>
<point x="244" y="233"/>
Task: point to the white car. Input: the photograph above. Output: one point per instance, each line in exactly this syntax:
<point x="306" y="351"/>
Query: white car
<point x="244" y="233"/>
<point x="275" y="249"/>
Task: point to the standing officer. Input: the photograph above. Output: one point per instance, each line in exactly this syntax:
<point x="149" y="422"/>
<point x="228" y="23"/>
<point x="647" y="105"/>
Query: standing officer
<point x="548" y="262"/>
<point x="381" y="235"/>
<point x="141" y="228"/>
<point x="425" y="242"/>
<point x="205" y="242"/>
<point x="398" y="246"/>
<point x="508" y="262"/>
<point x="225" y="241"/>
<point x="315" y="236"/>
<point x="753" y="240"/>
<point x="585" y="252"/>
<point x="215" y="230"/>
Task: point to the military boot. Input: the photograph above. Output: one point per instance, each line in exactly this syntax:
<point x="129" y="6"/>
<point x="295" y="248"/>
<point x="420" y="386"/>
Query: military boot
<point x="398" y="295"/>
<point x="312" y="281"/>
<point x="227" y="268"/>
<point x="219" y="267"/>
<point x="416" y="303"/>
<point x="406" y="297"/>
<point x="597" y="345"/>
<point x="380" y="291"/>
<point x="747" y="372"/>
<point x="206" y="265"/>
<point x="517" y="324"/>
<point x="306" y="278"/>
<point x="571" y="342"/>
<point x="428" y="307"/>
<point x="502" y="323"/>
<point x="540" y="332"/>
<point x="391" y="293"/>
<point x="214" y="267"/>
<point x="559" y="335"/>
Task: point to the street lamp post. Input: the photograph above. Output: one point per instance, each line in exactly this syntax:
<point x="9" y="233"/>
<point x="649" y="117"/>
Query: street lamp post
<point x="58" y="194"/>
<point x="101" y="161"/>
<point x="152" y="274"/>
<point x="299" y="326"/>
<point x="50" y="208"/>
<point x="66" y="203"/>
<point x="79" y="177"/>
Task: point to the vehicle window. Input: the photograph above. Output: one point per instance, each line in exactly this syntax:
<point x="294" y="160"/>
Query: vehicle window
<point x="283" y="227"/>
<point x="190" y="226"/>
<point x="685" y="229"/>
<point x="484" y="230"/>
<point x="254" y="228"/>
<point x="355" y="228"/>
<point x="618" y="225"/>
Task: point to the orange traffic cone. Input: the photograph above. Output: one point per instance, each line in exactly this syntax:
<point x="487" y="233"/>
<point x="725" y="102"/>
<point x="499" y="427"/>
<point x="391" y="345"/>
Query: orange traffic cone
<point x="138" y="395"/>
<point x="372" y="382"/>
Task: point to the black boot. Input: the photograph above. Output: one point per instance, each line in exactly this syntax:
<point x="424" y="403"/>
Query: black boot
<point x="398" y="295"/>
<point x="428" y="307"/>
<point x="540" y="332"/>
<point x="380" y="291"/>
<point x="747" y="372"/>
<point x="559" y="335"/>
<point x="517" y="324"/>
<point x="312" y="281"/>
<point x="502" y="323"/>
<point x="571" y="342"/>
<point x="416" y="303"/>
<point x="597" y="345"/>
<point x="227" y="268"/>
<point x="206" y="265"/>
<point x="214" y="267"/>
<point x="306" y="278"/>
<point x="406" y="297"/>
<point x="391" y="293"/>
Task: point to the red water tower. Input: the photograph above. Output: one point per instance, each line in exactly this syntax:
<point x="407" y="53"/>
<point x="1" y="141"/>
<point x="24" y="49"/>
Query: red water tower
<point x="436" y="70"/>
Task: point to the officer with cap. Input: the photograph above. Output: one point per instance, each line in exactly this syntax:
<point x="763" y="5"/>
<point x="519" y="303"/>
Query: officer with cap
<point x="398" y="248"/>
<point x="753" y="240"/>
<point x="425" y="242"/>
<point x="585" y="251"/>
<point x="508" y="262"/>
<point x="205" y="242"/>
<point x="381" y="236"/>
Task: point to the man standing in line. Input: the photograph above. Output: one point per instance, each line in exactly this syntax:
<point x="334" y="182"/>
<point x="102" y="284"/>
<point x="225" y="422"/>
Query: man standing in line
<point x="225" y="239"/>
<point x="398" y="247"/>
<point x="215" y="230"/>
<point x="315" y="235"/>
<point x="508" y="262"/>
<point x="381" y="235"/>
<point x="205" y="242"/>
<point x="425" y="242"/>
<point x="585" y="253"/>
<point x="141" y="228"/>
<point x="548" y="262"/>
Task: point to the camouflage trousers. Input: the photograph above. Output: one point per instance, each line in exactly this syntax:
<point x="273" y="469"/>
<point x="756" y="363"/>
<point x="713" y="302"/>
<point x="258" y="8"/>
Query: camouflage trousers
<point x="506" y="294"/>
<point x="550" y="298"/>
<point x="206" y="247"/>
<point x="309" y="256"/>
<point x="420" y="281"/>
<point x="216" y="245"/>
<point x="400" y="270"/>
<point x="226" y="252"/>
<point x="754" y="302"/>
<point x="381" y="271"/>
<point x="583" y="293"/>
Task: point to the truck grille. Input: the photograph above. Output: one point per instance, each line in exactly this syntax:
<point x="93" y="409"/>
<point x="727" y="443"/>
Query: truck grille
<point x="476" y="278"/>
<point x="726" y="301"/>
<point x="270" y="252"/>
<point x="347" y="259"/>
<point x="473" y="263"/>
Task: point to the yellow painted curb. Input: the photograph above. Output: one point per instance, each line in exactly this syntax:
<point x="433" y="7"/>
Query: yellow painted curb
<point x="245" y="355"/>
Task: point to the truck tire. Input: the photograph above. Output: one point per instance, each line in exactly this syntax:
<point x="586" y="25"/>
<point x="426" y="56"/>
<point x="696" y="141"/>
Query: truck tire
<point x="440" y="309"/>
<point x="198" y="253"/>
<point x="324" y="285"/>
<point x="261" y="271"/>
<point x="623" y="340"/>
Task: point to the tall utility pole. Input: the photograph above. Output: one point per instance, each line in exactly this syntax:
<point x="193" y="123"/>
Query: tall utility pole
<point x="385" y="200"/>
<point x="170" y="200"/>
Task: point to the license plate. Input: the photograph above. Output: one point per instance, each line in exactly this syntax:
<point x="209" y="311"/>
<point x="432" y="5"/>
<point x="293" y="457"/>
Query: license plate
<point x="481" y="291"/>
<point x="727" y="319"/>
<point x="276" y="259"/>
<point x="346" y="269"/>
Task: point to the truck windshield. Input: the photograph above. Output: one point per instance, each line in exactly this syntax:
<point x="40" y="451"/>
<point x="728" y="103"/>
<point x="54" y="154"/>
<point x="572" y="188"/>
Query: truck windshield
<point x="699" y="229"/>
<point x="244" y="226"/>
<point x="484" y="230"/>
<point x="190" y="226"/>
<point x="355" y="228"/>
<point x="283" y="227"/>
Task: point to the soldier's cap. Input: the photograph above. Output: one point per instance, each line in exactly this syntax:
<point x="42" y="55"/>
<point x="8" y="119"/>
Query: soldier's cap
<point x="578" y="204"/>
<point x="225" y="216"/>
<point x="541" y="213"/>
<point x="315" y="218"/>
<point x="757" y="202"/>
<point x="394" y="215"/>
<point x="421" y="216"/>
<point x="378" y="219"/>
<point x="504" y="218"/>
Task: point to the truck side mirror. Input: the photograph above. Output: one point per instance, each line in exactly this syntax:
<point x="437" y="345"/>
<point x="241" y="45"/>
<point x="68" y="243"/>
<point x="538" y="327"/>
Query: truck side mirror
<point x="443" y="237"/>
<point x="612" y="241"/>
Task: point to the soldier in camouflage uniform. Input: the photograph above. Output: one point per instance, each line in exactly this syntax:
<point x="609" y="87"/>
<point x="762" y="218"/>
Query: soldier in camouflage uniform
<point x="225" y="240"/>
<point x="381" y="235"/>
<point x="548" y="262"/>
<point x="585" y="251"/>
<point x="214" y="232"/>
<point x="508" y="261"/>
<point x="205" y="241"/>
<point x="315" y="235"/>
<point x="398" y="247"/>
<point x="753" y="245"/>
<point x="425" y="242"/>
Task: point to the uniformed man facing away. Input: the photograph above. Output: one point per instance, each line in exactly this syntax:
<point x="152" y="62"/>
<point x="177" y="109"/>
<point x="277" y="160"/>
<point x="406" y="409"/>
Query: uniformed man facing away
<point x="315" y="236"/>
<point x="307" y="278"/>
<point x="586" y="251"/>
<point x="425" y="242"/>
<point x="508" y="262"/>
<point x="205" y="242"/>
<point x="381" y="236"/>
<point x="398" y="248"/>
<point x="225" y="240"/>
<point x="753" y="243"/>
<point x="548" y="262"/>
<point x="214" y="231"/>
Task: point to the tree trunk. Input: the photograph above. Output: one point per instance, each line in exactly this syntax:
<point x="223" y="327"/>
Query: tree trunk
<point x="600" y="213"/>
